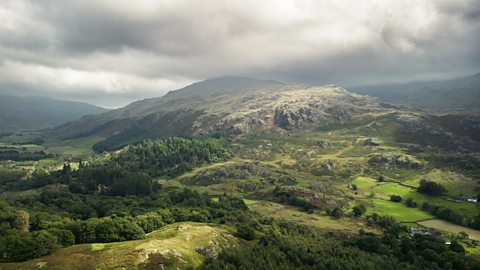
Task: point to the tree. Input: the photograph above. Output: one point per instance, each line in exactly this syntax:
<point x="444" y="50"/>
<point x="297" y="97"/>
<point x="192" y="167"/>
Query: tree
<point x="395" y="198"/>
<point x="246" y="232"/>
<point x="431" y="188"/>
<point x="463" y="235"/>
<point x="359" y="210"/>
<point x="410" y="203"/>
<point x="22" y="221"/>
<point x="381" y="178"/>
<point x="335" y="212"/>
<point x="64" y="237"/>
<point x="455" y="246"/>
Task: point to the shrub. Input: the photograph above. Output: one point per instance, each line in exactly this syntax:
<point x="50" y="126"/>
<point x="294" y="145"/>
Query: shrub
<point x="395" y="198"/>
<point x="359" y="210"/>
<point x="410" y="203"/>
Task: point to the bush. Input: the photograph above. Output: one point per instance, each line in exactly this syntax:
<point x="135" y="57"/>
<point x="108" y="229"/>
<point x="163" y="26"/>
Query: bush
<point x="359" y="210"/>
<point x="64" y="237"/>
<point x="335" y="212"/>
<point x="410" y="203"/>
<point x="395" y="198"/>
<point x="246" y="232"/>
<point x="20" y="246"/>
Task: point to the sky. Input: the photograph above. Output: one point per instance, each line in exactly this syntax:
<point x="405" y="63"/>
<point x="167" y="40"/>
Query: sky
<point x="110" y="53"/>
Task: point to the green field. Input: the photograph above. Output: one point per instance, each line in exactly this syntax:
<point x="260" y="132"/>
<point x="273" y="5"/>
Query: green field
<point x="398" y="211"/>
<point x="449" y="227"/>
<point x="380" y="192"/>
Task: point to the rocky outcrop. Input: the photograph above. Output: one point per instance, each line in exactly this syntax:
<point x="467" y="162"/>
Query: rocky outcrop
<point x="371" y="142"/>
<point x="288" y="116"/>
<point x="240" y="172"/>
<point x="394" y="160"/>
<point x="307" y="107"/>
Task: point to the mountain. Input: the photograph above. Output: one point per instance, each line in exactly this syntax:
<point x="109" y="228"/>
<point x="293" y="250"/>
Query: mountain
<point x="34" y="113"/>
<point x="456" y="94"/>
<point x="234" y="105"/>
<point x="237" y="106"/>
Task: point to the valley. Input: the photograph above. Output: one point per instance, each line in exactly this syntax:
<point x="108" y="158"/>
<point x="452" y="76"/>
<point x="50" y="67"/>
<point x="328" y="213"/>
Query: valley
<point x="344" y="166"/>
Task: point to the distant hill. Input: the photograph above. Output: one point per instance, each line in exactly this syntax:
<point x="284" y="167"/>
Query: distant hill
<point x="237" y="107"/>
<point x="34" y="113"/>
<point x="232" y="105"/>
<point x="456" y="94"/>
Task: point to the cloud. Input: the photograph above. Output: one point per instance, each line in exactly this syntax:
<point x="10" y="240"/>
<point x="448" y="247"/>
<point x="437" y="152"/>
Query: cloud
<point x="119" y="50"/>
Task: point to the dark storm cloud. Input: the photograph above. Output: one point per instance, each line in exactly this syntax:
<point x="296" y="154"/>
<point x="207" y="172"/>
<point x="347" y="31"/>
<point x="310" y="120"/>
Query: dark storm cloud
<point x="112" y="52"/>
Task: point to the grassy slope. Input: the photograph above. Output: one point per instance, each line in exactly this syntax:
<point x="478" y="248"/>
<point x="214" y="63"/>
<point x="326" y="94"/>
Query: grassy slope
<point x="176" y="241"/>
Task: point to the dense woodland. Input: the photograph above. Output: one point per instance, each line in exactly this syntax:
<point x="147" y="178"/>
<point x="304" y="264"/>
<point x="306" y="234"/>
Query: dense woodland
<point x="287" y="246"/>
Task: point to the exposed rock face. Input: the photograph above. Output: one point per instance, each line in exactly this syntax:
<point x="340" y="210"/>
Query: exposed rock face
<point x="395" y="160"/>
<point x="315" y="198"/>
<point x="293" y="108"/>
<point x="371" y="142"/>
<point x="237" y="111"/>
<point x="288" y="117"/>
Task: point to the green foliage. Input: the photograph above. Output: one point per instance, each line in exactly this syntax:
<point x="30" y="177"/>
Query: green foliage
<point x="9" y="175"/>
<point x="246" y="232"/>
<point x="419" y="251"/>
<point x="359" y="210"/>
<point x="335" y="212"/>
<point x="18" y="246"/>
<point x="121" y="218"/>
<point x="23" y="155"/>
<point x="285" y="196"/>
<point x="410" y="203"/>
<point x="449" y="215"/>
<point x="395" y="198"/>
<point x="431" y="188"/>
<point x="287" y="246"/>
<point x="171" y="156"/>
<point x="64" y="237"/>
<point x="105" y="230"/>
<point x="132" y="184"/>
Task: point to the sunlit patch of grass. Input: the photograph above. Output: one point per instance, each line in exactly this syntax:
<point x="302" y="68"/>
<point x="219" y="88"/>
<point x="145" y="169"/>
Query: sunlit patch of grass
<point x="97" y="246"/>
<point x="449" y="227"/>
<point x="249" y="202"/>
<point x="398" y="211"/>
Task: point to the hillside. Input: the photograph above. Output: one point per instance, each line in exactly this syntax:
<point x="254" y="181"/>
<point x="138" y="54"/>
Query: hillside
<point x="239" y="106"/>
<point x="34" y="113"/>
<point x="182" y="244"/>
<point x="288" y="176"/>
<point x="455" y="94"/>
<point x="232" y="104"/>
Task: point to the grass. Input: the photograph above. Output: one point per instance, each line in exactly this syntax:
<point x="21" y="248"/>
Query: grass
<point x="249" y="202"/>
<point x="316" y="220"/>
<point x="97" y="247"/>
<point x="75" y="147"/>
<point x="382" y="191"/>
<point x="398" y="211"/>
<point x="176" y="242"/>
<point x="449" y="227"/>
<point x="364" y="183"/>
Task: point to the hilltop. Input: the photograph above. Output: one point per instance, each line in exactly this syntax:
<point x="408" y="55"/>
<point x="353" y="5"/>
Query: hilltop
<point x="446" y="95"/>
<point x="35" y="113"/>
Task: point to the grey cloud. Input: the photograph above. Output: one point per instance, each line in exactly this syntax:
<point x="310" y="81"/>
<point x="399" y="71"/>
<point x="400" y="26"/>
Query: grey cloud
<point x="112" y="52"/>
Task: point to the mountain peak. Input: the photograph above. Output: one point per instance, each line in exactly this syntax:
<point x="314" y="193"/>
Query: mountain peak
<point x="223" y="85"/>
